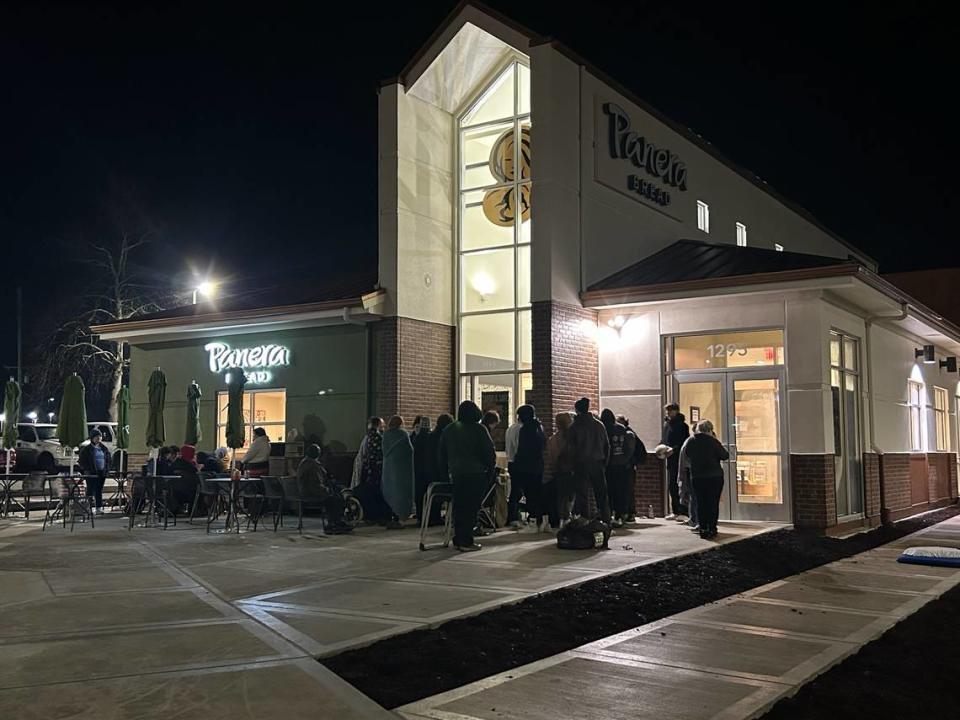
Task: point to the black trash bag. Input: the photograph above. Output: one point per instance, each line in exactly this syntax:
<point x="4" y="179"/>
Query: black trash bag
<point x="583" y="534"/>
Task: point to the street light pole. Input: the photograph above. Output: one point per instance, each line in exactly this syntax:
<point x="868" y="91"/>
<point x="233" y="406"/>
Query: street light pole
<point x="19" y="336"/>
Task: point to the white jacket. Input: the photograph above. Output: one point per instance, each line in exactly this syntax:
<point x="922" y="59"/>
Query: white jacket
<point x="259" y="451"/>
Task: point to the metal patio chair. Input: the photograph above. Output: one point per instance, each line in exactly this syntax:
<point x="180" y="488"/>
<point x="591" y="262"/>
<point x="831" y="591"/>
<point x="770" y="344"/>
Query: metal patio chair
<point x="442" y="492"/>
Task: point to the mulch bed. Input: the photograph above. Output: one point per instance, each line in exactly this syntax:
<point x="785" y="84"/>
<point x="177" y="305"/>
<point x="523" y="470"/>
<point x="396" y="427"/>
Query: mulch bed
<point x="906" y="673"/>
<point x="415" y="665"/>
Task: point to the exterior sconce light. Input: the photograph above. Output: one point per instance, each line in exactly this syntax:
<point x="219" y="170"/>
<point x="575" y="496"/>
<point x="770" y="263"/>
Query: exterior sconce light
<point x="950" y="363"/>
<point x="928" y="354"/>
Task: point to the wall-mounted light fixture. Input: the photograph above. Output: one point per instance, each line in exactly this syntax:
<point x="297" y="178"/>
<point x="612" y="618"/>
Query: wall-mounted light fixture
<point x="928" y="354"/>
<point x="950" y="363"/>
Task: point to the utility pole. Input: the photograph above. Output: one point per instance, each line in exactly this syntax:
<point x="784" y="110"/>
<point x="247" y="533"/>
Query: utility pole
<point x="20" y="336"/>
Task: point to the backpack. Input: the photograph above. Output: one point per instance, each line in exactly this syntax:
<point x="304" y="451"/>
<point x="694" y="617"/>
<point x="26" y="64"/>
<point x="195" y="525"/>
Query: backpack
<point x="583" y="534"/>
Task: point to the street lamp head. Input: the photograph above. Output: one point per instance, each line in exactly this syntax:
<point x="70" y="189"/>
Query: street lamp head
<point x="32" y="415"/>
<point x="206" y="288"/>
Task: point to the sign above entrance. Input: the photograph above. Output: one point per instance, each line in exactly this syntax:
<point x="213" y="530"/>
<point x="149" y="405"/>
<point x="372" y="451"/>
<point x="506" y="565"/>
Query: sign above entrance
<point x="255" y="360"/>
<point x="660" y="171"/>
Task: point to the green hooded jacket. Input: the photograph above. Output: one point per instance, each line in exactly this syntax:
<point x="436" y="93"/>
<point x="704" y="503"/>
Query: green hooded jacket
<point x="465" y="446"/>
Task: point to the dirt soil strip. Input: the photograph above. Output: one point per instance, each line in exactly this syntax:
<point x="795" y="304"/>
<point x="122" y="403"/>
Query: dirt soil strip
<point x="404" y="668"/>
<point x="908" y="672"/>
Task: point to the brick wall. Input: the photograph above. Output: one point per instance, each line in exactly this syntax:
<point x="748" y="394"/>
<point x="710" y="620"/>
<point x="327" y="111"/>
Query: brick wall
<point x="814" y="491"/>
<point x="871" y="490"/>
<point x="896" y="481"/>
<point x="414" y="368"/>
<point x="651" y="486"/>
<point x="566" y="364"/>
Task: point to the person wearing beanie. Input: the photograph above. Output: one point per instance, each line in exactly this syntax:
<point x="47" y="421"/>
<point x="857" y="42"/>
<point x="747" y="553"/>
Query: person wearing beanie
<point x="94" y="462"/>
<point x="468" y="458"/>
<point x="590" y="449"/>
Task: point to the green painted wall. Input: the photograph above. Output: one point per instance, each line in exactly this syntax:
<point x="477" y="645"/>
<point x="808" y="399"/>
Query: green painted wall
<point x="333" y="359"/>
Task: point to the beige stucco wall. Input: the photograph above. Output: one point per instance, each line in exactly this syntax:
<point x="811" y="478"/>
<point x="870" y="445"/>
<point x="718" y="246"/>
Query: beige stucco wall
<point x="416" y="200"/>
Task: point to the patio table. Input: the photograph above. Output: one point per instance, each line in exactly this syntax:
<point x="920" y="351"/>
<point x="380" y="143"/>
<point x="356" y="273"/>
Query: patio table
<point x="6" y="488"/>
<point x="119" y="498"/>
<point x="71" y="500"/>
<point x="231" y="488"/>
<point x="150" y="520"/>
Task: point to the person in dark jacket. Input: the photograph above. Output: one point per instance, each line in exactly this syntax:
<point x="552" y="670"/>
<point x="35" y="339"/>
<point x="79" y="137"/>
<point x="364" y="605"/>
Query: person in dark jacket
<point x="423" y="465"/>
<point x="526" y="470"/>
<point x="314" y="482"/>
<point x="590" y="449"/>
<point x="432" y="472"/>
<point x="618" y="465"/>
<point x="468" y="457"/>
<point x="94" y="463"/>
<point x="675" y="432"/>
<point x="183" y="490"/>
<point x="703" y="453"/>
<point x="639" y="458"/>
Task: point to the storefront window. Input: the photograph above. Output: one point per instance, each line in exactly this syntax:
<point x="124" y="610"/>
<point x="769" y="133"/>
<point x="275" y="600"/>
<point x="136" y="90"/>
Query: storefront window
<point x="728" y="350"/>
<point x="915" y="410"/>
<point x="845" y="395"/>
<point x="494" y="242"/>
<point x="261" y="408"/>
<point x="941" y="420"/>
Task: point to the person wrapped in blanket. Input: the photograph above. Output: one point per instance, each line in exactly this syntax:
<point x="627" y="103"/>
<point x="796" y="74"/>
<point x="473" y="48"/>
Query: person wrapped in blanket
<point x="368" y="473"/>
<point x="316" y="486"/>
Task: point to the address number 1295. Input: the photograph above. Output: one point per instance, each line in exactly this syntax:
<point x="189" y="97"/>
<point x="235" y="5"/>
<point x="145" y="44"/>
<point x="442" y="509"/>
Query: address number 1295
<point x="721" y="350"/>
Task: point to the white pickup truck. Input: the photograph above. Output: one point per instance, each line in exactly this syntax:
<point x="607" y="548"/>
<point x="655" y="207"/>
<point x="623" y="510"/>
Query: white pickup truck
<point x="39" y="449"/>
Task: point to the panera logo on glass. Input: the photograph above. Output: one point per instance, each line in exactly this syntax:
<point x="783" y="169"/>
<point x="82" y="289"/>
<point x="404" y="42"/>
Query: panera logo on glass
<point x="662" y="168"/>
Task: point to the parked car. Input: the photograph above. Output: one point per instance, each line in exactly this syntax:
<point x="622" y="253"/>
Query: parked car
<point x="108" y="436"/>
<point x="39" y="449"/>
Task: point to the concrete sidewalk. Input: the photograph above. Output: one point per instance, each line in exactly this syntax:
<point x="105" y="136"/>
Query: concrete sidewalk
<point x="727" y="660"/>
<point x="146" y="624"/>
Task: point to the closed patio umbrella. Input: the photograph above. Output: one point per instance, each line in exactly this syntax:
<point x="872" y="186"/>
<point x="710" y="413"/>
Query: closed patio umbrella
<point x="156" y="398"/>
<point x="72" y="426"/>
<point x="193" y="432"/>
<point x="123" y="423"/>
<point x="236" y="427"/>
<point x="11" y="414"/>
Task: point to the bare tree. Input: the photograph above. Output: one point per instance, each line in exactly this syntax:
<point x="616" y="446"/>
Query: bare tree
<point x="114" y="287"/>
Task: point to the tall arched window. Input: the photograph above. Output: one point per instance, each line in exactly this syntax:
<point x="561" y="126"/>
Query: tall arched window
<point x="494" y="244"/>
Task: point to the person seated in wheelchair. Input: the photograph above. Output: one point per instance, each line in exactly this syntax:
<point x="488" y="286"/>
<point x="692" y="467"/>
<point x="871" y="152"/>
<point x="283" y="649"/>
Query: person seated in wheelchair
<point x="316" y="484"/>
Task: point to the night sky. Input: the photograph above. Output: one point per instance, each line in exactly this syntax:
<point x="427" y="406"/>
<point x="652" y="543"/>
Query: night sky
<point x="246" y="139"/>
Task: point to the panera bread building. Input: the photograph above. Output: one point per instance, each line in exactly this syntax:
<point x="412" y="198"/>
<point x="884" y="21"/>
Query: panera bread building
<point x="544" y="235"/>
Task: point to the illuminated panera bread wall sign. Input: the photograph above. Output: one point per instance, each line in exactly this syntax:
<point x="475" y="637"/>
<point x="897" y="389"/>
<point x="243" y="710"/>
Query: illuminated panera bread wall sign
<point x="659" y="169"/>
<point x="255" y="361"/>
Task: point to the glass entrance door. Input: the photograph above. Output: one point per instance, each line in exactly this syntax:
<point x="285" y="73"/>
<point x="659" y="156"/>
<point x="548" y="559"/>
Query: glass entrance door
<point x="746" y="410"/>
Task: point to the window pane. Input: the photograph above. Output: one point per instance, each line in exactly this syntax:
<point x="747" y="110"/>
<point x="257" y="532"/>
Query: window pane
<point x="758" y="479"/>
<point x="526" y="386"/>
<point x="849" y="354"/>
<point x="486" y="281"/>
<point x="478" y="149"/>
<point x="835" y="351"/>
<point x="466" y="388"/>
<point x="526" y="342"/>
<point x="487" y="342"/>
<point x="523" y="78"/>
<point x="495" y="392"/>
<point x="496" y="103"/>
<point x="478" y="230"/>
<point x="835" y="378"/>
<point x="724" y="350"/>
<point x="523" y="276"/>
<point x="269" y="407"/>
<point x="757" y="411"/>
<point x="526" y="222"/>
